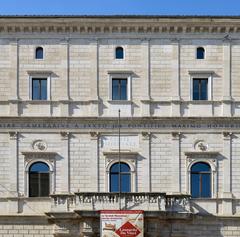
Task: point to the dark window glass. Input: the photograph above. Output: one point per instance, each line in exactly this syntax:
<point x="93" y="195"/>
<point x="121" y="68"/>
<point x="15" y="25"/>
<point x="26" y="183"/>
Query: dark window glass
<point x="200" y="89"/>
<point x="39" y="53"/>
<point x="39" y="89"/>
<point x="119" y="53"/>
<point x="201" y="180"/>
<point x="119" y="89"/>
<point x="200" y="53"/>
<point x="125" y="178"/>
<point x="39" y="180"/>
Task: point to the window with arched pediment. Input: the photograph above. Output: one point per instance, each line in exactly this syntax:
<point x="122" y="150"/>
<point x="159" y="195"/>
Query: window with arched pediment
<point x="120" y="176"/>
<point x="201" y="180"/>
<point x="39" y="180"/>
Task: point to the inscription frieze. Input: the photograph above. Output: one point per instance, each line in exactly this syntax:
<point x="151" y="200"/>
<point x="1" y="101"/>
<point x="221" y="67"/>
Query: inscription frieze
<point x="125" y="125"/>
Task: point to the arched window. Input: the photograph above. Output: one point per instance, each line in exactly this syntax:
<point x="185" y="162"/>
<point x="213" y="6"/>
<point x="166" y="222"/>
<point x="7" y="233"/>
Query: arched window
<point x="125" y="177"/>
<point x="119" y="53"/>
<point x="39" y="53"/>
<point x="201" y="180"/>
<point x="200" y="53"/>
<point x="39" y="180"/>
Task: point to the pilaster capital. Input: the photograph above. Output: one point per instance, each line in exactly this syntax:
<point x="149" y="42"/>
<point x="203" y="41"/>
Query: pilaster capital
<point x="64" y="41"/>
<point x="94" y="135"/>
<point x="176" y="135"/>
<point x="145" y="41"/>
<point x="227" y="135"/>
<point x="13" y="135"/>
<point x="175" y="41"/>
<point x="94" y="41"/>
<point x="13" y="41"/>
<point x="227" y="40"/>
<point x="64" y="135"/>
<point x="146" y="135"/>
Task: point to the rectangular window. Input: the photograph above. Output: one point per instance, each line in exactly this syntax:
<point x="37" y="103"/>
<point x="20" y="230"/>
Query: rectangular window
<point x="39" y="88"/>
<point x="119" y="89"/>
<point x="39" y="185"/>
<point x="201" y="185"/>
<point x="200" y="89"/>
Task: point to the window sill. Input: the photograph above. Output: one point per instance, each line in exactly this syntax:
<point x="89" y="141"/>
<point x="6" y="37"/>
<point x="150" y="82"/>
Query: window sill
<point x="38" y="198"/>
<point x="125" y="102"/>
<point x="204" y="199"/>
<point x="30" y="198"/>
<point x="38" y="101"/>
<point x="201" y="101"/>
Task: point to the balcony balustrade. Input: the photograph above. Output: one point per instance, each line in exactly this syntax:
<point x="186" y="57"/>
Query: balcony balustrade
<point x="92" y="201"/>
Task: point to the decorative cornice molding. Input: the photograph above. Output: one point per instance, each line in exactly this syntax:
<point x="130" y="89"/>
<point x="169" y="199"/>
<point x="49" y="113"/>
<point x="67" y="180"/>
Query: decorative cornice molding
<point x="128" y="26"/>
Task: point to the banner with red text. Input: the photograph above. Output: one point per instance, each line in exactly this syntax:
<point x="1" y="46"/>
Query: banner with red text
<point x="117" y="223"/>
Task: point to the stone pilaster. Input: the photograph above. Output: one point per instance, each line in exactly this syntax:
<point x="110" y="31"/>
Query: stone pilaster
<point x="65" y="89"/>
<point x="14" y="78"/>
<point x="13" y="145"/>
<point x="227" y="180"/>
<point x="94" y="83"/>
<point x="65" y="166"/>
<point x="227" y="80"/>
<point x="175" y="88"/>
<point x="146" y="65"/>
<point x="146" y="162"/>
<point x="176" y="178"/>
<point x="94" y="136"/>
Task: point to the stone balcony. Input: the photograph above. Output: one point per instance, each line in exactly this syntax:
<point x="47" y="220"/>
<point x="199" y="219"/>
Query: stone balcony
<point x="126" y="201"/>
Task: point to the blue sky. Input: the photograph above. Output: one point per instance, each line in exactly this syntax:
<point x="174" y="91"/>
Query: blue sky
<point x="89" y="7"/>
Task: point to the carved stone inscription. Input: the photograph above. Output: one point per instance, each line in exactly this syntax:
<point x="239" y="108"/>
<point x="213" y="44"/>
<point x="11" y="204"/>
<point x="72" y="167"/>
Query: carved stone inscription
<point x="125" y="125"/>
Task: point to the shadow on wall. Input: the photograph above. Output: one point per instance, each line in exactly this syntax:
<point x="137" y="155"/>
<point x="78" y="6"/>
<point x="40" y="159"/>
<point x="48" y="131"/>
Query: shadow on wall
<point x="200" y="226"/>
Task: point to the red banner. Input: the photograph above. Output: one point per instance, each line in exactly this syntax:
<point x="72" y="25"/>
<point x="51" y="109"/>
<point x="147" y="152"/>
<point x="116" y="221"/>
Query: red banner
<point x="116" y="223"/>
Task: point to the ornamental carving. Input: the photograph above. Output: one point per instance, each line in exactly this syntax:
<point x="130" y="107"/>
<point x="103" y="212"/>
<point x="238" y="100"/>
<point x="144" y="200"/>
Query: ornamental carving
<point x="201" y="146"/>
<point x="39" y="145"/>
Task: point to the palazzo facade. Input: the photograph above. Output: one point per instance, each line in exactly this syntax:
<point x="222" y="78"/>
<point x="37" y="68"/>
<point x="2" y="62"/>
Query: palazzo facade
<point x="175" y="81"/>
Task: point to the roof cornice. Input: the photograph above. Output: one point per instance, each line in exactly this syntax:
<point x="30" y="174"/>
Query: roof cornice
<point x="127" y="16"/>
<point x="120" y="24"/>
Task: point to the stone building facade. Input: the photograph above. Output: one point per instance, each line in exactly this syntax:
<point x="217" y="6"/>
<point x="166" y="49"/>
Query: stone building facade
<point x="176" y="82"/>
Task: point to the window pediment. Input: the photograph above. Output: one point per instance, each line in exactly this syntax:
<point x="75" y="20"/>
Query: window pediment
<point x="40" y="72"/>
<point x="119" y="73"/>
<point x="39" y="154"/>
<point x="123" y="152"/>
<point x="201" y="154"/>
